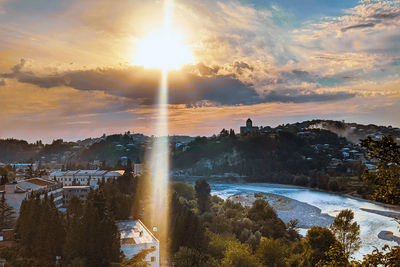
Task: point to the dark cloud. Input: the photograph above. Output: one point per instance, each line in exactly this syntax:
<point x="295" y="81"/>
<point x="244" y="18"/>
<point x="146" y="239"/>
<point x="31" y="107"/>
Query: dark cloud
<point x="385" y="15"/>
<point x="239" y="67"/>
<point x="304" y="96"/>
<point x="141" y="85"/>
<point x="357" y="26"/>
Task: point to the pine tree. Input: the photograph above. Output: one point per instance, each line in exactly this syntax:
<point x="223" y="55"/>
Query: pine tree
<point x="203" y="195"/>
<point x="6" y="214"/>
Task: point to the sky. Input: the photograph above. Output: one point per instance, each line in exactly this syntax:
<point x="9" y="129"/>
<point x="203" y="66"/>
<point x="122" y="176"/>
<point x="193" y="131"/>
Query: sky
<point x="68" y="69"/>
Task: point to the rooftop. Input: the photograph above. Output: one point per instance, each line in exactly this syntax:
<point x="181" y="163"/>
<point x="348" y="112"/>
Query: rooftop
<point x="76" y="186"/>
<point x="39" y="181"/>
<point x="135" y="232"/>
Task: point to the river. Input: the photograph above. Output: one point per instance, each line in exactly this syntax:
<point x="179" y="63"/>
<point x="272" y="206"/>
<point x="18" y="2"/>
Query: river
<point x="371" y="224"/>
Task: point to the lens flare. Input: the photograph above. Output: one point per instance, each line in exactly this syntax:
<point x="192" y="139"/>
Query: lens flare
<point x="159" y="159"/>
<point x="165" y="49"/>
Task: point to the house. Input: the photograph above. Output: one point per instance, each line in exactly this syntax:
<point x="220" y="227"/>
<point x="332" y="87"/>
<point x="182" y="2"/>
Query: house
<point x="249" y="128"/>
<point x="17" y="191"/>
<point x="135" y="237"/>
<point x="84" y="177"/>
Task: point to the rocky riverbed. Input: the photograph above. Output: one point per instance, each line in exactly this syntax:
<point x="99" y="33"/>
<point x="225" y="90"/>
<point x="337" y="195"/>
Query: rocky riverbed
<point x="288" y="209"/>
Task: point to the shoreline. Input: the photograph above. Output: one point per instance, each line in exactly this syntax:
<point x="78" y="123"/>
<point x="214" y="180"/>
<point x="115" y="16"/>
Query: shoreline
<point x="240" y="180"/>
<point x="287" y="209"/>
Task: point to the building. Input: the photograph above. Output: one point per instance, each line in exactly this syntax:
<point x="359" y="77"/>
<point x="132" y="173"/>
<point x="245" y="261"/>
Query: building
<point x="79" y="191"/>
<point x="17" y="191"/>
<point x="249" y="128"/>
<point x="138" y="169"/>
<point x="24" y="166"/>
<point x="84" y="177"/>
<point x="135" y="237"/>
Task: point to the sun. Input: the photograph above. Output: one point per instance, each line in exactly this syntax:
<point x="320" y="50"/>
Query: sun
<point x="165" y="49"/>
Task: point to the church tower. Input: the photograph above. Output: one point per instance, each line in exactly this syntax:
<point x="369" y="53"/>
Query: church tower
<point x="249" y="123"/>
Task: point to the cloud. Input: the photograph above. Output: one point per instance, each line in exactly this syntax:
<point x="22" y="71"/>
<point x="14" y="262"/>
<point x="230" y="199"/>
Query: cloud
<point x="141" y="85"/>
<point x="364" y="25"/>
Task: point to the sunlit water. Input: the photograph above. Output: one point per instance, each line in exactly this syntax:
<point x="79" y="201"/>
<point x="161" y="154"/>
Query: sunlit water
<point x="370" y="224"/>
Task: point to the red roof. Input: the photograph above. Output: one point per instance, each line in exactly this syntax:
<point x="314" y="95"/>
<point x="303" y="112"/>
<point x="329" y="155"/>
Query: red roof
<point x="40" y="182"/>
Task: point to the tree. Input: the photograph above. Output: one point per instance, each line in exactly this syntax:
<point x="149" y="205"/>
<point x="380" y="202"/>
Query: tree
<point x="266" y="219"/>
<point x="335" y="257"/>
<point x="101" y="245"/>
<point x="387" y="257"/>
<point x="203" y="195"/>
<point x="188" y="257"/>
<point x="41" y="230"/>
<point x="6" y="214"/>
<point x="239" y="255"/>
<point x="346" y="231"/>
<point x="387" y="178"/>
<point x="318" y="242"/>
<point x="272" y="252"/>
<point x="187" y="230"/>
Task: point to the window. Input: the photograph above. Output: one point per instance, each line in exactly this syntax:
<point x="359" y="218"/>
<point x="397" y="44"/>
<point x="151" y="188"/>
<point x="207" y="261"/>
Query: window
<point x="153" y="259"/>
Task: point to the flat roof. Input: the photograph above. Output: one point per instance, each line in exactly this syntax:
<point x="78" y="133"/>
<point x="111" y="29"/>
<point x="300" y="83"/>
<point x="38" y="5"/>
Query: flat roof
<point x="135" y="232"/>
<point x="76" y="186"/>
<point x="39" y="181"/>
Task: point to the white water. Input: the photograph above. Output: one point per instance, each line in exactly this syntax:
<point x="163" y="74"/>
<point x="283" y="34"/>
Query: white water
<point x="370" y="224"/>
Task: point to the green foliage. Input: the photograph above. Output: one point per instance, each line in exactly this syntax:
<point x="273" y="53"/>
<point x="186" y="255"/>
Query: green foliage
<point x="183" y="190"/>
<point x="6" y="214"/>
<point x="87" y="235"/>
<point x="346" y="231"/>
<point x="188" y="257"/>
<point x="272" y="252"/>
<point x="218" y="244"/>
<point x="387" y="178"/>
<point x="266" y="219"/>
<point x="186" y="228"/>
<point x="239" y="255"/>
<point x="335" y="257"/>
<point x="388" y="257"/>
<point x="203" y="195"/>
<point x="318" y="241"/>
<point x="41" y="229"/>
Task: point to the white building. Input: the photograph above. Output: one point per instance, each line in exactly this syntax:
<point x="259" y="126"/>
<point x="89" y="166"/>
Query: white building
<point x="135" y="237"/>
<point x="84" y="177"/>
<point x="16" y="192"/>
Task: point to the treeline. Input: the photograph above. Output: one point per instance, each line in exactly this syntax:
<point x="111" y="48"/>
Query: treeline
<point x="13" y="150"/>
<point x="85" y="235"/>
<point x="260" y="154"/>
<point x="281" y="157"/>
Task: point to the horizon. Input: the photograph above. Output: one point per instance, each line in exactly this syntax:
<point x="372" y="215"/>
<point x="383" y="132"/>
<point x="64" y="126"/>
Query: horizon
<point x="216" y="132"/>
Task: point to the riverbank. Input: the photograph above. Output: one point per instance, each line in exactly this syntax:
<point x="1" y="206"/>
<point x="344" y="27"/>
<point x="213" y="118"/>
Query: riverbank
<point x="317" y="208"/>
<point x="244" y="180"/>
<point x="288" y="209"/>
